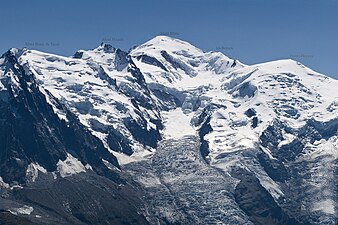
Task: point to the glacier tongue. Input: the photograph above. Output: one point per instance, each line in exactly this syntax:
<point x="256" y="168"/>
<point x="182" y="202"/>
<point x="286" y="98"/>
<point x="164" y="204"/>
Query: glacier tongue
<point x="183" y="189"/>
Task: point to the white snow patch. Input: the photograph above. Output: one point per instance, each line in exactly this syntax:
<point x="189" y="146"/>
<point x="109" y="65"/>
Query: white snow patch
<point x="288" y="138"/>
<point x="55" y="176"/>
<point x="109" y="165"/>
<point x="325" y="206"/>
<point x="24" y="210"/>
<point x="33" y="170"/>
<point x="177" y="124"/>
<point x="268" y="152"/>
<point x="272" y="187"/>
<point x="16" y="186"/>
<point x="3" y="184"/>
<point x="2" y="87"/>
<point x="70" y="166"/>
<point x="88" y="167"/>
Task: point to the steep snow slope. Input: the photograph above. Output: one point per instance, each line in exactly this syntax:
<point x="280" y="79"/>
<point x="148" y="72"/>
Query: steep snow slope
<point x="107" y="56"/>
<point x="177" y="124"/>
<point x="255" y="96"/>
<point x="106" y="100"/>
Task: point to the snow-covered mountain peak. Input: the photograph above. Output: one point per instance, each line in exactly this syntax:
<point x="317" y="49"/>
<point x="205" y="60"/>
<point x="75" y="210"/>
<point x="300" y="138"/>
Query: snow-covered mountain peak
<point x="258" y="95"/>
<point x="287" y="66"/>
<point x="12" y="52"/>
<point x="106" y="47"/>
<point x="175" y="63"/>
<point x="101" y="49"/>
<point x="280" y="74"/>
<point x="105" y="55"/>
<point x="17" y="52"/>
<point x="166" y="43"/>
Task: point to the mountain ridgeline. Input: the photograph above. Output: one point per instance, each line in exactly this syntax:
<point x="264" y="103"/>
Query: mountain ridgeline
<point x="165" y="134"/>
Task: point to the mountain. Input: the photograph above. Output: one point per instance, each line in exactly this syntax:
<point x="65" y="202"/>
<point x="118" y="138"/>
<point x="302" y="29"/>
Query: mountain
<point x="165" y="134"/>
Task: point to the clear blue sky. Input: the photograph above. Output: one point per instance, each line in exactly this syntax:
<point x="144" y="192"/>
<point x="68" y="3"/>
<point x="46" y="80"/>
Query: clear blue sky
<point x="251" y="31"/>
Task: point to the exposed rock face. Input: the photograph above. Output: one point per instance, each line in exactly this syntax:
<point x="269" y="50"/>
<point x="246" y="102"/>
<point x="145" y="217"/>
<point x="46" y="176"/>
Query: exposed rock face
<point x="31" y="130"/>
<point x="257" y="203"/>
<point x="79" y="199"/>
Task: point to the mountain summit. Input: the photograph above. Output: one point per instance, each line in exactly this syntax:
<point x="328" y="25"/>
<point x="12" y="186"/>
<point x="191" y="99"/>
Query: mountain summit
<point x="165" y="134"/>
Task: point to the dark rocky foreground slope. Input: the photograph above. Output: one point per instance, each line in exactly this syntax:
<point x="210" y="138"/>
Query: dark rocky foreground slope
<point x="80" y="199"/>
